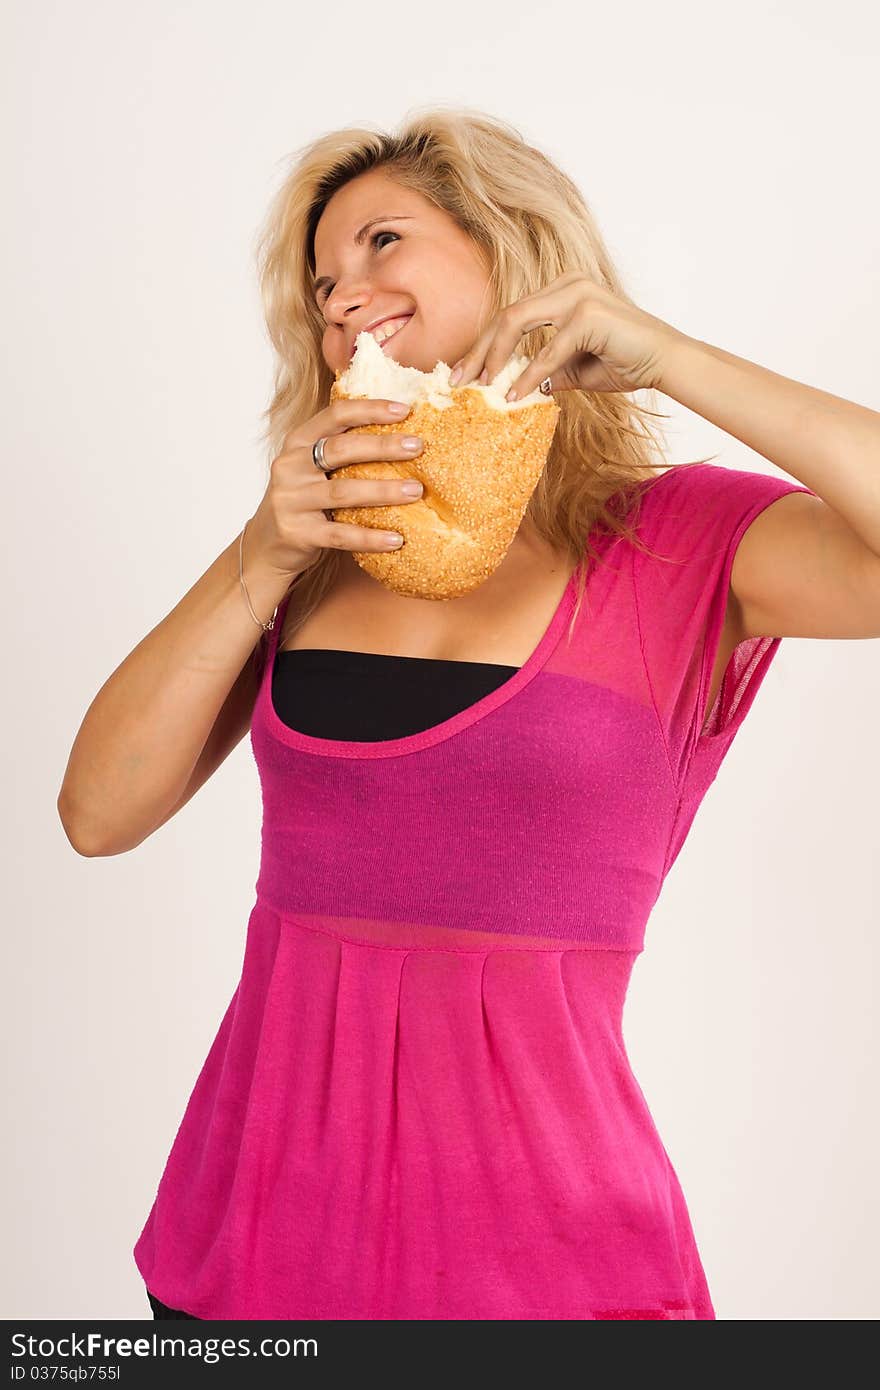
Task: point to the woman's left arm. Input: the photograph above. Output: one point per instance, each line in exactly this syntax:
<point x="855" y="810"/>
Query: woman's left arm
<point x="806" y="566"/>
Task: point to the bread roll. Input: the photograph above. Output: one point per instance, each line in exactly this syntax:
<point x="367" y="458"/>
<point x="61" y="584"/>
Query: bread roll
<point x="481" y="460"/>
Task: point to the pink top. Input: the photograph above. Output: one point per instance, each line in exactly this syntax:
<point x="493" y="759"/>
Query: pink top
<point x="418" y="1104"/>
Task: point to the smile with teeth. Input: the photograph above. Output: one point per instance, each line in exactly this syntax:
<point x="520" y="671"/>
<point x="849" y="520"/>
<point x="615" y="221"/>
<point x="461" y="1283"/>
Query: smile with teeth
<point x="383" y="331"/>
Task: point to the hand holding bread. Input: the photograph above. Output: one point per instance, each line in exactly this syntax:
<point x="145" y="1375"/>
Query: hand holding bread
<point x="478" y="461"/>
<point x="481" y="462"/>
<point x="294" y="521"/>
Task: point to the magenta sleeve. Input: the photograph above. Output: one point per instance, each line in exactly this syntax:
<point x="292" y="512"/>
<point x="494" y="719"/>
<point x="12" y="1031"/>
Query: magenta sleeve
<point x="695" y="516"/>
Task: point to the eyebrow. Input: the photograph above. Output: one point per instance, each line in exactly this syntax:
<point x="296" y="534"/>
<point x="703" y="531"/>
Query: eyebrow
<point x="359" y="241"/>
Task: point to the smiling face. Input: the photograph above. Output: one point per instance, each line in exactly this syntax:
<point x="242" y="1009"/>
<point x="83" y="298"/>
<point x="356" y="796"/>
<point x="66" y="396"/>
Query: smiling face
<point x="417" y="261"/>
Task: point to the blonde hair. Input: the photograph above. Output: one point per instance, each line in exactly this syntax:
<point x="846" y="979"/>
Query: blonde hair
<point x="532" y="225"/>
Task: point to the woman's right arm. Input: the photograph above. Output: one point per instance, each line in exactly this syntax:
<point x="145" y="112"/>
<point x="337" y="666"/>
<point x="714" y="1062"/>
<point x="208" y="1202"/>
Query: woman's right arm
<point x="167" y="717"/>
<point x="176" y="706"/>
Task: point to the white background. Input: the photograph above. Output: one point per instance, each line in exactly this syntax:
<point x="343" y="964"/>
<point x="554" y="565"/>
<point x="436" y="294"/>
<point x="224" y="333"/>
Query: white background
<point x="730" y="158"/>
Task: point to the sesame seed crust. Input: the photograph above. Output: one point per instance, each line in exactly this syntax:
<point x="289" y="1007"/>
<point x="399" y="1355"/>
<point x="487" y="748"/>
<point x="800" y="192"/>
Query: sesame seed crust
<point x="479" y="466"/>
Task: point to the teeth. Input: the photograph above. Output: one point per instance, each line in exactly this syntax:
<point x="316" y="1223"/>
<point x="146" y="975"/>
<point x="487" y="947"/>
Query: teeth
<point x="384" y="330"/>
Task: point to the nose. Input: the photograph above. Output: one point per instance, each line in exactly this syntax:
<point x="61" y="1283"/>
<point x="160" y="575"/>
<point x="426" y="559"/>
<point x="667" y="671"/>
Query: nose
<point x="341" y="303"/>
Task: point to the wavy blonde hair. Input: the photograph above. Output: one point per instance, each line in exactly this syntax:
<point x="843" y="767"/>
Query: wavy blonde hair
<point x="532" y="225"/>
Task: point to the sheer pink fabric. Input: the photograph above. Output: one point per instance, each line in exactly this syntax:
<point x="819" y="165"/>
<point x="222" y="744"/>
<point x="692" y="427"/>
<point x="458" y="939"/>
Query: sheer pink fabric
<point x="419" y="1103"/>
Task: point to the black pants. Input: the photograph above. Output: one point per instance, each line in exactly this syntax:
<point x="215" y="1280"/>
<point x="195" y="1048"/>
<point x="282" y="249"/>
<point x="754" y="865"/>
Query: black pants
<point x="161" y="1310"/>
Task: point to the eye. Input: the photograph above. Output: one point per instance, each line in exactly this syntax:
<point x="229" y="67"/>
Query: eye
<point x="376" y="235"/>
<point x="325" y="289"/>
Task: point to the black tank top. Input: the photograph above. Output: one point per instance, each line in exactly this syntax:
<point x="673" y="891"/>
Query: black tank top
<point x="366" y="697"/>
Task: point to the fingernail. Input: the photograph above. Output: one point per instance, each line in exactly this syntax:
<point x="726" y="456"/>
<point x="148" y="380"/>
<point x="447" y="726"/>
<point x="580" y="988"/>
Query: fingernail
<point x="511" y="395"/>
<point x="398" y="408"/>
<point x="455" y="376"/>
<point x="484" y="376"/>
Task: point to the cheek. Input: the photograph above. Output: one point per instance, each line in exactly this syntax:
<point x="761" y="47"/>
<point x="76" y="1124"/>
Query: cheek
<point x="333" y="347"/>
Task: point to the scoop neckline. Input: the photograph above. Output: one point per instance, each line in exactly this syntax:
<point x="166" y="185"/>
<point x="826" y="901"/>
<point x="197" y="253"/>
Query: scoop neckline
<point x="425" y="738"/>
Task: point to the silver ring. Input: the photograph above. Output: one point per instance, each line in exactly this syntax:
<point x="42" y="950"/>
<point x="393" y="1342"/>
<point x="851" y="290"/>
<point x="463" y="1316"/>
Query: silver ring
<point x="318" y="453"/>
<point x="318" y="461"/>
<point x="545" y="386"/>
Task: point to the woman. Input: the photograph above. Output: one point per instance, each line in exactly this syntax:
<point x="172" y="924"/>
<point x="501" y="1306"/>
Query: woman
<point x="418" y="1103"/>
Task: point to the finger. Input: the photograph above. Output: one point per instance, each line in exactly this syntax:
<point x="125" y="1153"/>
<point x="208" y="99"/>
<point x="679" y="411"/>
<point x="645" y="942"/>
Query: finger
<point x="345" y="535"/>
<point x="550" y="359"/>
<point x="339" y="415"/>
<point x="493" y="348"/>
<point x="508" y="341"/>
<point x="370" y="492"/>
<point x="469" y="367"/>
<point x="361" y="410"/>
<point x="352" y="448"/>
